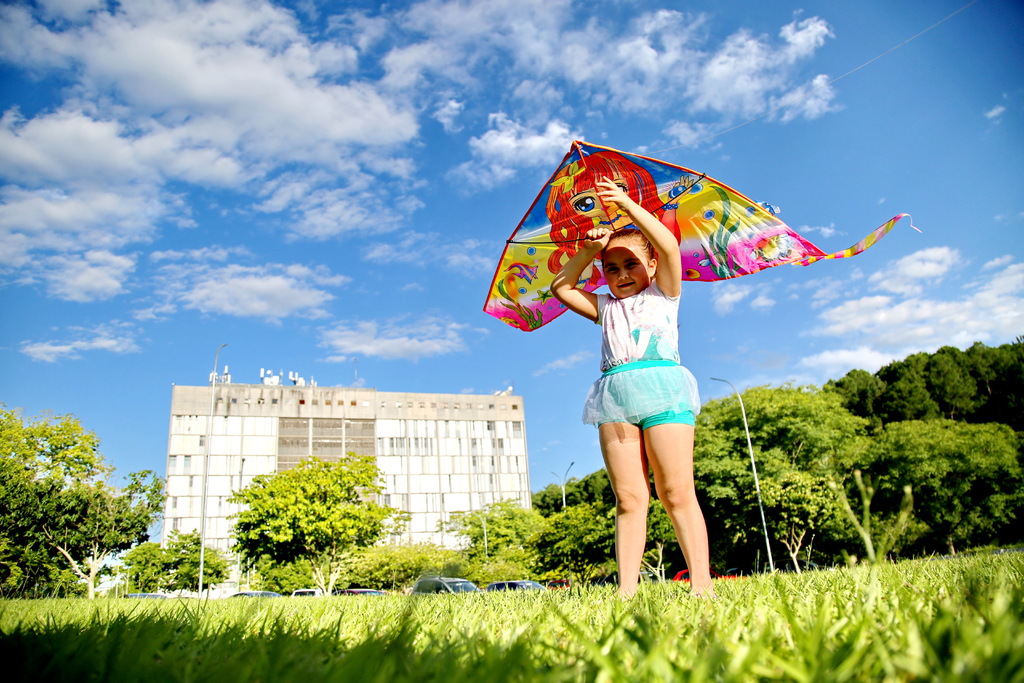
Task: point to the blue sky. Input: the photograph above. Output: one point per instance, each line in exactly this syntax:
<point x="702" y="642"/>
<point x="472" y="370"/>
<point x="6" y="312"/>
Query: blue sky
<point x="327" y="188"/>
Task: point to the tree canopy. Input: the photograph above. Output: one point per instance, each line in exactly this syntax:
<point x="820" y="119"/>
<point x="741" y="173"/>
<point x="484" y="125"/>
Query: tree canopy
<point x="317" y="512"/>
<point x="60" y="517"/>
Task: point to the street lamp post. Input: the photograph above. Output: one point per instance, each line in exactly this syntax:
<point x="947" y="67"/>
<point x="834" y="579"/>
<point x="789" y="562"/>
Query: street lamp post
<point x="564" y="479"/>
<point x="753" y="466"/>
<point x="206" y="470"/>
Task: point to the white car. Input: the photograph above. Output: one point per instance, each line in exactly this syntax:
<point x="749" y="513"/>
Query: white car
<point x="307" y="593"/>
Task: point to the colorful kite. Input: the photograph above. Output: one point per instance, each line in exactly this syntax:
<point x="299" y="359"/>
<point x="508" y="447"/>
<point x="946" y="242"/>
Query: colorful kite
<point x="722" y="234"/>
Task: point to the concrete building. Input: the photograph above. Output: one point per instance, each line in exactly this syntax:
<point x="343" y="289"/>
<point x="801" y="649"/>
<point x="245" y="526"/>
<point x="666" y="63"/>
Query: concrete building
<point x="437" y="453"/>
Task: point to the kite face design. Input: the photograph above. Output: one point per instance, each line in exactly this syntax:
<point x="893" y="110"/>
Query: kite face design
<point x="722" y="234"/>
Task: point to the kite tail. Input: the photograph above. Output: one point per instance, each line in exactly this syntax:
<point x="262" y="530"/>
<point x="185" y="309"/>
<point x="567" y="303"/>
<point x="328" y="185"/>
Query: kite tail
<point x="875" y="235"/>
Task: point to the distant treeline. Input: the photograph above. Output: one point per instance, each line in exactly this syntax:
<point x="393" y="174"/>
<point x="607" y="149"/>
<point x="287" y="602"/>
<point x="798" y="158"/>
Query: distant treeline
<point x="982" y="384"/>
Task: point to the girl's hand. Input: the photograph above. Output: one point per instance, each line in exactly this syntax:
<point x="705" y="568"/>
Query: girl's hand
<point x="611" y="193"/>
<point x="596" y="239"/>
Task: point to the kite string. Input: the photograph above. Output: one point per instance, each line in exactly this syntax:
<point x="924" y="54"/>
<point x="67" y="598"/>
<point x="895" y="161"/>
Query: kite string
<point x="819" y="87"/>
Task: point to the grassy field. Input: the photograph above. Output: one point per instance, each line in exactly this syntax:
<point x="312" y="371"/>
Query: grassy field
<point x="945" y="620"/>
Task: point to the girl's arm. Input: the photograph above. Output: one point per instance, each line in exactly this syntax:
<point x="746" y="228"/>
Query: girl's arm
<point x="564" y="285"/>
<point x="669" y="274"/>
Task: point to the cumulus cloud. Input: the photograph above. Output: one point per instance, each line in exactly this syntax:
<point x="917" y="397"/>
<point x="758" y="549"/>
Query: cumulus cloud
<point x="92" y="276"/>
<point x="992" y="309"/>
<point x="726" y="295"/>
<point x="565" y="363"/>
<point x="747" y="71"/>
<point x="270" y="291"/>
<point x="910" y="274"/>
<point x="509" y="145"/>
<point x="462" y="256"/>
<point x="115" y="337"/>
<point x="402" y="338"/>
<point x="837" y="362"/>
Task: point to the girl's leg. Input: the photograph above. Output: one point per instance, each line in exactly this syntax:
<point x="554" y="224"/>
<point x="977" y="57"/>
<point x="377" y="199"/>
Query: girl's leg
<point x="626" y="463"/>
<point x="670" y="451"/>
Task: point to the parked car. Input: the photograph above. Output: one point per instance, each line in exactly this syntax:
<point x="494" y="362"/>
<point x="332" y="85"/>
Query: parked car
<point x="805" y="566"/>
<point x="430" y="585"/>
<point x="559" y="584"/>
<point x="307" y="593"/>
<point x="256" y="594"/>
<point x="514" y="586"/>
<point x="358" y="591"/>
<point x="152" y="596"/>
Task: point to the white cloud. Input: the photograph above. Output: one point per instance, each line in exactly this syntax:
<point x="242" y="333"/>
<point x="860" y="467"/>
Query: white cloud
<point x="995" y="112"/>
<point x="747" y="71"/>
<point x="54" y="220"/>
<point x="725" y="295"/>
<point x="463" y="256"/>
<point x="837" y="362"/>
<point x="810" y="101"/>
<point x="564" y="363"/>
<point x="115" y="337"/>
<point x="508" y="146"/>
<point x="262" y="296"/>
<point x="993" y="310"/>
<point x="447" y="114"/>
<point x="401" y="338"/>
<point x="911" y="273"/>
<point x="271" y="291"/>
<point x="94" y="275"/>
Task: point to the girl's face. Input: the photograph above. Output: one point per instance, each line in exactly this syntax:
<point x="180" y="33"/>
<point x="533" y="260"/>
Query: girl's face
<point x="627" y="269"/>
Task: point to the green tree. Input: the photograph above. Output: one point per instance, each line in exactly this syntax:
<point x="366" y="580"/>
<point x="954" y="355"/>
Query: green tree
<point x="146" y="568"/>
<point x="906" y="395"/>
<point x="499" y="527"/>
<point x="950" y="383"/>
<point x="799" y="505"/>
<point x="594" y="488"/>
<point x="182" y="561"/>
<point x="860" y="391"/>
<point x="267" y="575"/>
<point x="60" y="519"/>
<point x="317" y="512"/>
<point x="792" y="429"/>
<point x="88" y="523"/>
<point x="966" y="481"/>
<point x="577" y="541"/>
<point x="397" y="566"/>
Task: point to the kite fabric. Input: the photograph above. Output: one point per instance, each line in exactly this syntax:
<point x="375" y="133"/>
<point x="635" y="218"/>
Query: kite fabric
<point x="722" y="234"/>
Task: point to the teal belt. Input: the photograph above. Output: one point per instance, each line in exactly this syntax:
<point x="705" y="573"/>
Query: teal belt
<point x="640" y="365"/>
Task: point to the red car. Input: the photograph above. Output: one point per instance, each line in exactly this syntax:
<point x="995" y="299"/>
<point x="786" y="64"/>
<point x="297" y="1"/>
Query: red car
<point x="685" y="575"/>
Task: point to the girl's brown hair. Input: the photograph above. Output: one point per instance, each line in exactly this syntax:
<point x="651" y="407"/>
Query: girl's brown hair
<point x="636" y="237"/>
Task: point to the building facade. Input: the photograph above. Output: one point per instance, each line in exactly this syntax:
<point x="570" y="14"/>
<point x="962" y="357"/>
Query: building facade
<point x="437" y="453"/>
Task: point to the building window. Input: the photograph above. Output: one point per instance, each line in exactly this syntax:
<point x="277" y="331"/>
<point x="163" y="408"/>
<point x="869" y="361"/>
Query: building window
<point x="273" y="401"/>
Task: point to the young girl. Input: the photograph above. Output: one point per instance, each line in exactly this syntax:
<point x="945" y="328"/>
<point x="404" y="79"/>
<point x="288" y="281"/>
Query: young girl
<point x="645" y="402"/>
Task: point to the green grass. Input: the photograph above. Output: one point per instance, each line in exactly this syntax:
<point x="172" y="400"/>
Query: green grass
<point x="950" y="620"/>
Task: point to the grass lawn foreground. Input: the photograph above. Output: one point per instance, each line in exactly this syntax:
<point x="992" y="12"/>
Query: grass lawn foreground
<point x="946" y="620"/>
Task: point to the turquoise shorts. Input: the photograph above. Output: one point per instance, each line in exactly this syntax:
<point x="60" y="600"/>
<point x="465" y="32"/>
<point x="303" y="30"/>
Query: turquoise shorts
<point x="684" y="417"/>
